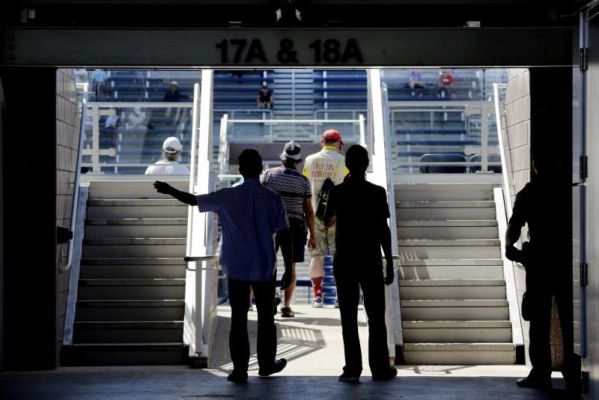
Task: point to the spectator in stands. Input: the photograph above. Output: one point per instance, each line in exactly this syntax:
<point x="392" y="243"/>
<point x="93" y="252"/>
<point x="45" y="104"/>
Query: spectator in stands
<point x="111" y="126"/>
<point x="548" y="270"/>
<point x="414" y="80"/>
<point x="360" y="211"/>
<point x="264" y="97"/>
<point x="136" y="127"/>
<point x="171" y="151"/>
<point x="445" y="81"/>
<point x="329" y="164"/>
<point x="98" y="82"/>
<point x="173" y="94"/>
<point x="250" y="215"/>
<point x="294" y="189"/>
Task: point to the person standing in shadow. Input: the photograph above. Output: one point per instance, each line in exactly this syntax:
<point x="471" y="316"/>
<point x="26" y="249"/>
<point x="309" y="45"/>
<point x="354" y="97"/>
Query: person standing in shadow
<point x="544" y="206"/>
<point x="360" y="211"/>
<point x="250" y="215"/>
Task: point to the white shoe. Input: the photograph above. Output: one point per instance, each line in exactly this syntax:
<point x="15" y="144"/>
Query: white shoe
<point x="317" y="302"/>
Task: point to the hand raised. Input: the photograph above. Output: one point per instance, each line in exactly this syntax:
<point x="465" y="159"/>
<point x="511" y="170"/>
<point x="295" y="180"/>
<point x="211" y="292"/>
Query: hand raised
<point x="162" y="187"/>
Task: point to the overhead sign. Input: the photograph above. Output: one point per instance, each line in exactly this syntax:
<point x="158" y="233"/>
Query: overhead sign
<point x="288" y="47"/>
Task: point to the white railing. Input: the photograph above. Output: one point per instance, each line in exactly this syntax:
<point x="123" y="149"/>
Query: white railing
<point x="69" y="262"/>
<point x="503" y="202"/>
<point x="509" y="272"/>
<point x="507" y="187"/>
<point x="200" y="311"/>
<point x="292" y="134"/>
<point x="382" y="175"/>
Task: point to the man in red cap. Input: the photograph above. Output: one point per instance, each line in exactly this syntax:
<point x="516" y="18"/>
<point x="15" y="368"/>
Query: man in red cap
<point x="328" y="163"/>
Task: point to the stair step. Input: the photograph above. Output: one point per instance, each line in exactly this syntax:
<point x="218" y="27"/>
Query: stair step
<point x="447" y="229"/>
<point x="134" y="261"/>
<point x="449" y="248"/>
<point x="134" y="241"/>
<point x="134" y="247"/>
<point x="460" y="289"/>
<point x="132" y="189"/>
<point x="131" y="289"/>
<point x="445" y="204"/>
<point x="436" y="272"/>
<point x="130" y="310"/>
<point x="174" y="230"/>
<point x="448" y="191"/>
<point x="452" y="262"/>
<point x="132" y="271"/>
<point x="135" y="208"/>
<point x="447" y="242"/>
<point x="445" y="213"/>
<point x="457" y="331"/>
<point x="125" y="354"/>
<point x="459" y="353"/>
<point x="452" y="309"/>
<point x="450" y="282"/>
<point x="136" y="221"/>
<point x="447" y="223"/>
<point x="134" y="203"/>
<point x="128" y="331"/>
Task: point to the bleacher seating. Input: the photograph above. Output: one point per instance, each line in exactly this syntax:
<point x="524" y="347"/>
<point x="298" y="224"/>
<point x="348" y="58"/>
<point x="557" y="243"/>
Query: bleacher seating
<point x="340" y="89"/>
<point x="430" y="133"/>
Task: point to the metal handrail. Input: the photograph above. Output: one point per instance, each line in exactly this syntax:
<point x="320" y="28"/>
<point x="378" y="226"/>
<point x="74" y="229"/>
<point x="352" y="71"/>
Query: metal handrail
<point x="76" y="188"/>
<point x="506" y="183"/>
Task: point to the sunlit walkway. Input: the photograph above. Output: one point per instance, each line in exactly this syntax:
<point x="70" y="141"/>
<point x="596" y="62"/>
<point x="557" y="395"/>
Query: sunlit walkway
<point x="311" y="342"/>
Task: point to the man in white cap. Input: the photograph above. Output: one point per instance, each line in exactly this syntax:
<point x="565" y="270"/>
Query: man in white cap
<point x="328" y="165"/>
<point x="295" y="191"/>
<point x="171" y="150"/>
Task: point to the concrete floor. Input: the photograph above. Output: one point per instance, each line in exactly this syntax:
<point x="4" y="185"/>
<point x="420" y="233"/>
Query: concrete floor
<point x="312" y="344"/>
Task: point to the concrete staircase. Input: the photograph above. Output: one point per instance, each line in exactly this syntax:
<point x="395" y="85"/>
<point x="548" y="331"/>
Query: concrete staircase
<point x="453" y="295"/>
<point x="293" y="94"/>
<point x="131" y="292"/>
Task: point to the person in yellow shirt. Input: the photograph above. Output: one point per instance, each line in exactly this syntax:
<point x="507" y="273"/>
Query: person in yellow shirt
<point x="327" y="163"/>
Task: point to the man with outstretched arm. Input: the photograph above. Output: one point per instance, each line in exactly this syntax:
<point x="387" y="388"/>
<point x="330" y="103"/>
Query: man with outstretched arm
<point x="250" y="215"/>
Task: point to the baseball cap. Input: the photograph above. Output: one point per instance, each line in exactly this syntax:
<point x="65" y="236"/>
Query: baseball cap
<point x="174" y="83"/>
<point x="171" y="145"/>
<point x="291" y="150"/>
<point x="331" y="134"/>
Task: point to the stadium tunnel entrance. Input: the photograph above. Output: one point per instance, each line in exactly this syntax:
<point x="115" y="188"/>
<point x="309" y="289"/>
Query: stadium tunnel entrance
<point x="34" y="58"/>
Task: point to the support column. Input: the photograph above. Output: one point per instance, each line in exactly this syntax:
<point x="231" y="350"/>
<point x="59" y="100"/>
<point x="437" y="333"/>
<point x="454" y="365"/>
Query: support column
<point x="29" y="200"/>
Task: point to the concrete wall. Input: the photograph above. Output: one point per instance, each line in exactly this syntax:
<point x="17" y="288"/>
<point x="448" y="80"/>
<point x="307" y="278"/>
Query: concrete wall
<point x="591" y="362"/>
<point x="67" y="144"/>
<point x="29" y="219"/>
<point x="517" y="129"/>
<point x="516" y="140"/>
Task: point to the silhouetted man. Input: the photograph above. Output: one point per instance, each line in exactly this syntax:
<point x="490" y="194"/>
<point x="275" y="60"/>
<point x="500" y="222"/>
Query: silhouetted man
<point x="546" y="210"/>
<point x="360" y="211"/>
<point x="250" y="215"/>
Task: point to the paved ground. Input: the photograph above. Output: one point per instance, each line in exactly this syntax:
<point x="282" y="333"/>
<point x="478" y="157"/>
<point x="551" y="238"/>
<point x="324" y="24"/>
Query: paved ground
<point x="312" y="344"/>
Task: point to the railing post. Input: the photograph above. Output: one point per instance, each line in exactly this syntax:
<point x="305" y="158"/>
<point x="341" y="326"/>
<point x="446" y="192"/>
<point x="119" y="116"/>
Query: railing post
<point x="484" y="140"/>
<point x="362" y="124"/>
<point x="95" y="139"/>
<point x="223" y="152"/>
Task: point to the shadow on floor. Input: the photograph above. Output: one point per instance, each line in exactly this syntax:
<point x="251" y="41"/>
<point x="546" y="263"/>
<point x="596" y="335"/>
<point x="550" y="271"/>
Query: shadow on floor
<point x="176" y="383"/>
